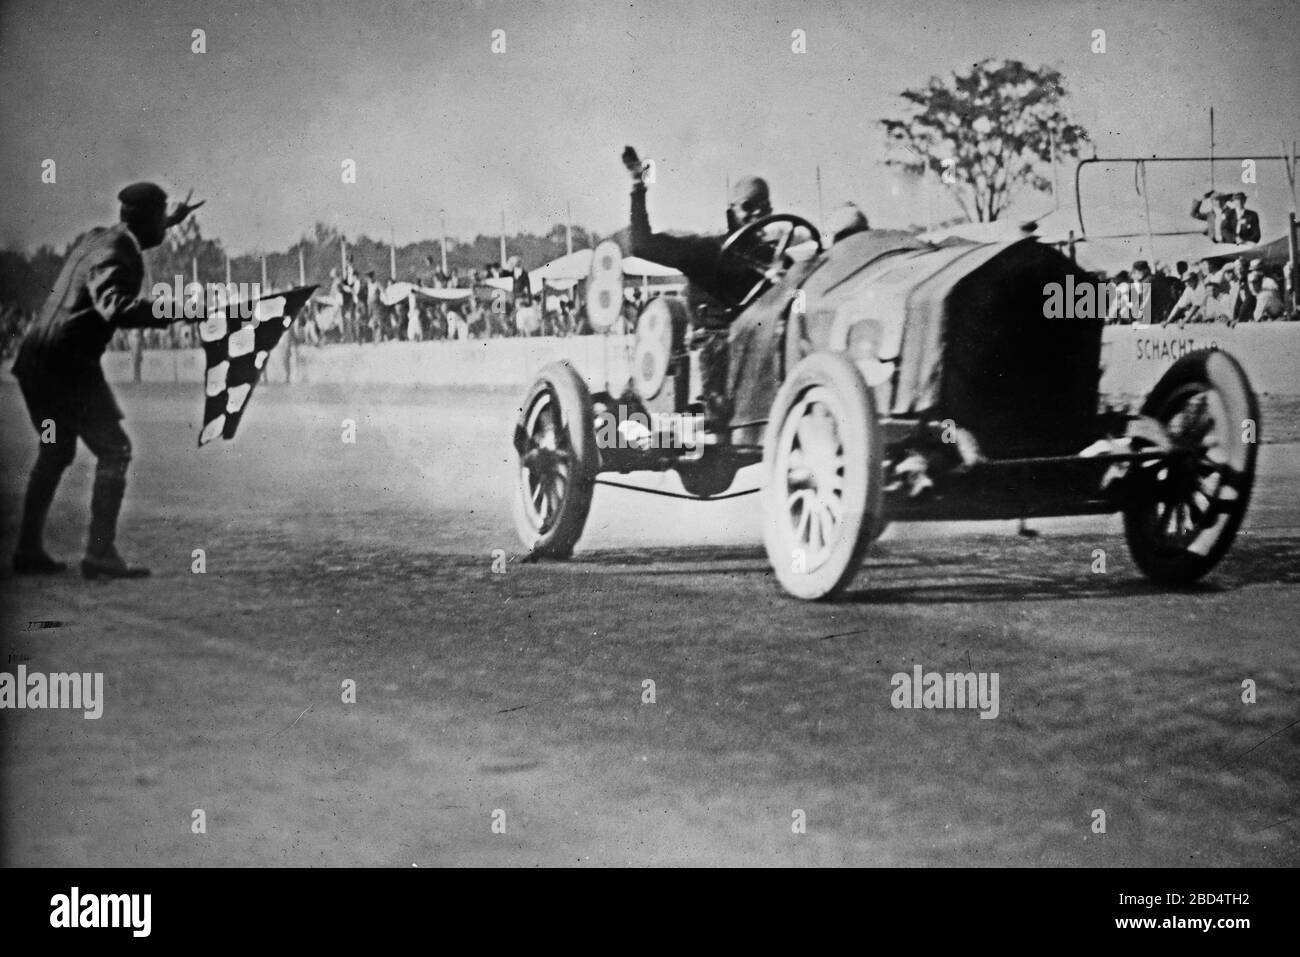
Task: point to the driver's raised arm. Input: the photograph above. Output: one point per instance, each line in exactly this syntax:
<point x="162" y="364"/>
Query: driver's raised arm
<point x="695" y="256"/>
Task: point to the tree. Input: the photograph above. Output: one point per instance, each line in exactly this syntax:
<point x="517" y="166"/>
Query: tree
<point x="26" y="281"/>
<point x="181" y="247"/>
<point x="985" y="132"/>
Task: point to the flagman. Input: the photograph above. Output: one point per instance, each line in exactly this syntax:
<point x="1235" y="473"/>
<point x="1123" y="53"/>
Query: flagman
<point x="99" y="291"/>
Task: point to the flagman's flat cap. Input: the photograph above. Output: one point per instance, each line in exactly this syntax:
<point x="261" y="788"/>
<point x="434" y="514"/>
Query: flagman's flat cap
<point x="143" y="196"/>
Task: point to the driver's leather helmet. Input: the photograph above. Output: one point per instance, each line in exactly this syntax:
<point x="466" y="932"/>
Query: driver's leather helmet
<point x="750" y="200"/>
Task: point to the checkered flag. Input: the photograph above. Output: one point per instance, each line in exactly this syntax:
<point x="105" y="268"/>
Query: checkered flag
<point x="236" y="351"/>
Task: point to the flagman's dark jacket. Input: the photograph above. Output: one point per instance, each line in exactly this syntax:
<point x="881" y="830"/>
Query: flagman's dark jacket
<point x="97" y="292"/>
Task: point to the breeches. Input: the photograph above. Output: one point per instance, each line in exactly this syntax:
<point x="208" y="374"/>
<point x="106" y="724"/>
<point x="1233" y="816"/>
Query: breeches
<point x="87" y="412"/>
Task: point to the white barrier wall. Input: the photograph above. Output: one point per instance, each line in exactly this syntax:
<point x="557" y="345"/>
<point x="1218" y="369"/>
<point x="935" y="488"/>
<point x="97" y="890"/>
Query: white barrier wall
<point x="492" y="362"/>
<point x="1132" y="359"/>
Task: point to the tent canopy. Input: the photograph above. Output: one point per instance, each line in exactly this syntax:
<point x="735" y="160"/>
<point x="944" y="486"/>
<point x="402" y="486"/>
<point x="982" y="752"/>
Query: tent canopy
<point x="1275" y="253"/>
<point x="398" y="291"/>
<point x="577" y="265"/>
<point x="1111" y="254"/>
<point x="636" y="266"/>
<point x="574" y="266"/>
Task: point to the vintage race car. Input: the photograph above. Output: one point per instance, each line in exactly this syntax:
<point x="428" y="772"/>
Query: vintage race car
<point x="887" y="379"/>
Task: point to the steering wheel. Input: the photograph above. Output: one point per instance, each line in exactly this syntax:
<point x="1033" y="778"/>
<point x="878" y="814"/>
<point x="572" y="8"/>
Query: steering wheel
<point x="741" y="246"/>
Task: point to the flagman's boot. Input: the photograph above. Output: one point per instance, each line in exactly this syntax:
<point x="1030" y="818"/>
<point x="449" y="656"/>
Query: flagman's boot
<point x="37" y="563"/>
<point x="31" y="557"/>
<point x="102" y="559"/>
<point x="110" y="565"/>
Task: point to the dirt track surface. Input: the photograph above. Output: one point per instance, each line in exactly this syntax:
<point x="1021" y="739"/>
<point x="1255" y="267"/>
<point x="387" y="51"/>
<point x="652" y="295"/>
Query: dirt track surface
<point x="522" y="692"/>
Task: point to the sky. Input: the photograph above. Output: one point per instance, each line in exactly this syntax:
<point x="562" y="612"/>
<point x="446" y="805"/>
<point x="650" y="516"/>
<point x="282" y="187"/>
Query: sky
<point x="438" y="125"/>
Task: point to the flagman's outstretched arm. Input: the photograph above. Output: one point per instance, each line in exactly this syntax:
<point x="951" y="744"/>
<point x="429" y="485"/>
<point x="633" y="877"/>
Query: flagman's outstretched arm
<point x="114" y="287"/>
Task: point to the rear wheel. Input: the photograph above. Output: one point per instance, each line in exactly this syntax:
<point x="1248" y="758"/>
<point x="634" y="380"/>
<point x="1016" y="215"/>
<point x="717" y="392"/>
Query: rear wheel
<point x="822" y="462"/>
<point x="556" y="443"/>
<point x="1185" y="509"/>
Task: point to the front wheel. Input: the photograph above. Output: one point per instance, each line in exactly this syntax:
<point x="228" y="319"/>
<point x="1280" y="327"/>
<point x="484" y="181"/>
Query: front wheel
<point x="555" y="440"/>
<point x="822" y="464"/>
<point x="1186" y="508"/>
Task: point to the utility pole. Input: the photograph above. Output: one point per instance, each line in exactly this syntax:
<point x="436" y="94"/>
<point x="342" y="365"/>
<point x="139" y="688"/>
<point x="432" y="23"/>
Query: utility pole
<point x="821" y="214"/>
<point x="1051" y="157"/>
<point x="568" y="228"/>
<point x="503" y="237"/>
<point x="444" y="242"/>
<point x="927" y="180"/>
<point x="1212" y="154"/>
<point x="1293" y="228"/>
<point x="302" y="268"/>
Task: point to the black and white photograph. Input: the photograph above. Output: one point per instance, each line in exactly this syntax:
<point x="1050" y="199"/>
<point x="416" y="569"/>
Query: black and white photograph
<point x="656" y="434"/>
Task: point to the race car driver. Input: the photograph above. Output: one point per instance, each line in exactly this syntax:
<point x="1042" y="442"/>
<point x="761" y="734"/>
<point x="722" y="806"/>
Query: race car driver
<point x="714" y="280"/>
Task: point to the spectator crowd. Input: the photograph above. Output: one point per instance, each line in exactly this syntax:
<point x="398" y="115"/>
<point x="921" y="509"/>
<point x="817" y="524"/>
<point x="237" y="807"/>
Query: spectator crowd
<point x="460" y="304"/>
<point x="1238" y="291"/>
<point x="355" y="307"/>
<point x="1226" y="218"/>
<point x="499" y="299"/>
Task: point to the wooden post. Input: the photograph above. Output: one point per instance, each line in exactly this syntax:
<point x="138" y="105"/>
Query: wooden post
<point x="290" y="351"/>
<point x="821" y="214"/>
<point x="1293" y="241"/>
<point x="137" y="354"/>
<point x="1212" y="154"/>
<point x="1292" y="236"/>
<point x="929" y="200"/>
<point x="1051" y="157"/>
